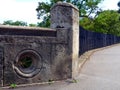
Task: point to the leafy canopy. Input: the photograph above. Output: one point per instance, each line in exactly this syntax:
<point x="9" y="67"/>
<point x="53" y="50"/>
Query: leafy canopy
<point x="106" y="22"/>
<point x="43" y="10"/>
<point x="16" y="23"/>
<point x="86" y="8"/>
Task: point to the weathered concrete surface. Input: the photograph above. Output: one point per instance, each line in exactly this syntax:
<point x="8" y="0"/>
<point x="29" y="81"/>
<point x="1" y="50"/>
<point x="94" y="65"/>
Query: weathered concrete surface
<point x="65" y="15"/>
<point x="101" y="72"/>
<point x="1" y="66"/>
<point x="48" y="48"/>
<point x="54" y="52"/>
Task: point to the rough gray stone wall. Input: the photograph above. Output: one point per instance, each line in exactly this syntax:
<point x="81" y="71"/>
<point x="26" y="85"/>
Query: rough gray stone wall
<point x="47" y="47"/>
<point x="54" y="51"/>
<point x="1" y="66"/>
<point x="64" y="15"/>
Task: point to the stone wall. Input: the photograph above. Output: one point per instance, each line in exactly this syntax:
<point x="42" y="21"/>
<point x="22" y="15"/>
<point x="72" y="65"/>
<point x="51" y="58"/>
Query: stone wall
<point x="36" y="55"/>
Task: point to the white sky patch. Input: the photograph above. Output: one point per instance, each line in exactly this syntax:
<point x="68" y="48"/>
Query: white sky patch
<point x="22" y="10"/>
<point x="109" y="5"/>
<point x="25" y="10"/>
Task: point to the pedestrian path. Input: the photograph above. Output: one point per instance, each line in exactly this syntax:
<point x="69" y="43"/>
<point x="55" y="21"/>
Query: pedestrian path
<point x="101" y="72"/>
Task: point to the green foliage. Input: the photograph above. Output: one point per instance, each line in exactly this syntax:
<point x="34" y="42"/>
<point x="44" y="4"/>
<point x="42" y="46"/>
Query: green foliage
<point x="25" y="62"/>
<point x="32" y="25"/>
<point x="106" y="22"/>
<point x="16" y="23"/>
<point x="43" y="10"/>
<point x="13" y="85"/>
<point x="19" y="23"/>
<point x="87" y="23"/>
<point x="88" y="7"/>
<point x="45" y="22"/>
<point x="74" y="80"/>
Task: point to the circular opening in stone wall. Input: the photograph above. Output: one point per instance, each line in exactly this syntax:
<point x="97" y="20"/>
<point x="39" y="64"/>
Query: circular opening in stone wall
<point x="28" y="63"/>
<point x="25" y="61"/>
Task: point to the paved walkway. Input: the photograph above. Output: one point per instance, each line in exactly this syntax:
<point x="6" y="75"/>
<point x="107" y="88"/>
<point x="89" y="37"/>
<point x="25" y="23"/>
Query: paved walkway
<point x="101" y="72"/>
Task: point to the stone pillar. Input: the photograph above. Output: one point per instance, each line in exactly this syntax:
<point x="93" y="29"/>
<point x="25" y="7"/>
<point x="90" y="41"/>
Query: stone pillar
<point x="66" y="15"/>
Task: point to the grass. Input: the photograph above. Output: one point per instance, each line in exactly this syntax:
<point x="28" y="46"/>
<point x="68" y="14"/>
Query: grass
<point x="13" y="85"/>
<point x="74" y="81"/>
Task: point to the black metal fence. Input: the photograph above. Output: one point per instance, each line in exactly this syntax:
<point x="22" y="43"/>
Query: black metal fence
<point x="91" y="40"/>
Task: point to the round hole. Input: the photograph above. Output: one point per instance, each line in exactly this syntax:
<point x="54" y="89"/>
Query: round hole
<point x="27" y="63"/>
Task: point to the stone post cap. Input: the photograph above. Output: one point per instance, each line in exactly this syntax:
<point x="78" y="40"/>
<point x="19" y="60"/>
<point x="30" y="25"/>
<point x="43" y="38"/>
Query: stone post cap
<point x="59" y="3"/>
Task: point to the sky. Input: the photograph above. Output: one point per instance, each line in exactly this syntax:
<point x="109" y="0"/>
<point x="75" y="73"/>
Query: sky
<point x="109" y="4"/>
<point x="24" y="10"/>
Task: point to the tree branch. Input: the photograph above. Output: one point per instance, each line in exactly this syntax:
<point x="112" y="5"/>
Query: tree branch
<point x="81" y="4"/>
<point x="83" y="16"/>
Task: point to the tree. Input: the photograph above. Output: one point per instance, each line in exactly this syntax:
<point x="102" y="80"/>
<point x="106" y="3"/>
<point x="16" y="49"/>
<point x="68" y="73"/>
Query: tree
<point x="87" y="23"/>
<point x="32" y="25"/>
<point x="43" y="11"/>
<point x="106" y="22"/>
<point x="119" y="7"/>
<point x="86" y="7"/>
<point x="16" y="23"/>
